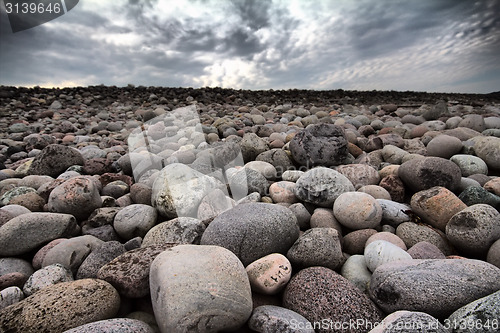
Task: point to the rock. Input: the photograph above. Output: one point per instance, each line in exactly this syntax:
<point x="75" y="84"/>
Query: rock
<point x="14" y="272"/>
<point x="479" y="315"/>
<point x="271" y="318"/>
<point x="8" y="196"/>
<point x="70" y="253"/>
<point x="246" y="181"/>
<point x="412" y="233"/>
<point x="425" y="250"/>
<point x="410" y="322"/>
<point x="169" y="194"/>
<point x="302" y="214"/>
<point x="134" y="221"/>
<point x="317" y="247"/>
<point x="324" y="218"/>
<point x="264" y="168"/>
<point x="378" y="192"/>
<point x="62" y="306"/>
<point x="251" y="146"/>
<point x="436" y="111"/>
<point x="387" y="236"/>
<point x="129" y="272"/>
<point x="114" y="325"/>
<point x="181" y="230"/>
<point x="54" y="159"/>
<point x="27" y="232"/>
<point x="393" y="154"/>
<point x="253" y="230"/>
<point x="488" y="149"/>
<point x="444" y="146"/>
<point x="357" y="210"/>
<point x="473" y="121"/>
<point x="470" y="165"/>
<point x="474" y="229"/>
<point x="320" y="144"/>
<point x="355" y="270"/>
<point x="190" y="291"/>
<point x="213" y="204"/>
<point x="278" y="158"/>
<point x="98" y="258"/>
<point x="269" y="275"/>
<point x="360" y="174"/>
<point x="422" y="174"/>
<point x="437" y="287"/>
<point x="493" y="256"/>
<point x="283" y="191"/>
<point x="478" y="195"/>
<point x="9" y="296"/>
<point x="322" y="186"/>
<point x="394" y="185"/>
<point x="140" y="194"/>
<point x="381" y="252"/>
<point x="436" y="206"/>
<point x="78" y="196"/>
<point x="318" y="293"/>
<point x="45" y="277"/>
<point x="394" y="213"/>
<point x="493" y="186"/>
<point x="292" y="175"/>
<point x="354" y="242"/>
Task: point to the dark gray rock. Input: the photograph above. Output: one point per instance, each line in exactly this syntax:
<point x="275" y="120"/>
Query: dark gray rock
<point x="98" y="258"/>
<point x="253" y="230"/>
<point x="55" y="159"/>
<point x="435" y="286"/>
<point x="478" y="195"/>
<point x="320" y="144"/>
<point x="422" y="174"/>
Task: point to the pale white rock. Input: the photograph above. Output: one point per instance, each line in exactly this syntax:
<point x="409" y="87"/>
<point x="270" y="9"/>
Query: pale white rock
<point x="9" y="296"/>
<point x="381" y="252"/>
<point x="179" y="189"/>
<point x="46" y="276"/>
<point x="199" y="288"/>
<point x="269" y="274"/>
<point x="394" y="213"/>
<point x="355" y="270"/>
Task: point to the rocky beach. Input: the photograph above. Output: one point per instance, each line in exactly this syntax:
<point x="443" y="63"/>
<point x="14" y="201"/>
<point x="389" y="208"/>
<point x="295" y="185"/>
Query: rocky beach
<point x="149" y="209"/>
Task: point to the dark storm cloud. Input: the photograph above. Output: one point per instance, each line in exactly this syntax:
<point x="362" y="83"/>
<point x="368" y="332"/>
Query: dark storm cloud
<point x="411" y="45"/>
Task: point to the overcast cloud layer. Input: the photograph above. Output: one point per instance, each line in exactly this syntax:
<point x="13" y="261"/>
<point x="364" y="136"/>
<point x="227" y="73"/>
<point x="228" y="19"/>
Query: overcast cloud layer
<point x="422" y="45"/>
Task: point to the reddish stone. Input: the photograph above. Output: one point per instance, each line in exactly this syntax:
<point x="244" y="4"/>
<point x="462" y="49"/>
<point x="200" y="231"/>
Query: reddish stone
<point x="394" y="185"/>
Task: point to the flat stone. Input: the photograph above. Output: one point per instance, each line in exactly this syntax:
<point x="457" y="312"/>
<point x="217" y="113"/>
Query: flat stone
<point x="253" y="230"/>
<point x="62" y="306"/>
<point x="470" y="164"/>
<point x="437" y="287"/>
<point x="412" y="233"/>
<point x="474" y="229"/>
<point x="318" y="292"/>
<point x="269" y="275"/>
<point x="190" y="291"/>
<point x="272" y="318"/>
<point x="27" y="232"/>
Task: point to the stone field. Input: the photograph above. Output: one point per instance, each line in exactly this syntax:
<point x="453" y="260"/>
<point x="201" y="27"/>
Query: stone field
<point x="147" y="209"/>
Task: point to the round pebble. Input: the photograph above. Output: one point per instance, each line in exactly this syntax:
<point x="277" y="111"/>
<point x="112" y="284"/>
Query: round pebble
<point x="357" y="210"/>
<point x="270" y="274"/>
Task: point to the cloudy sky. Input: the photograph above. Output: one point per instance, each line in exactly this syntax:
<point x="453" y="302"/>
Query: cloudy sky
<point x="422" y="45"/>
